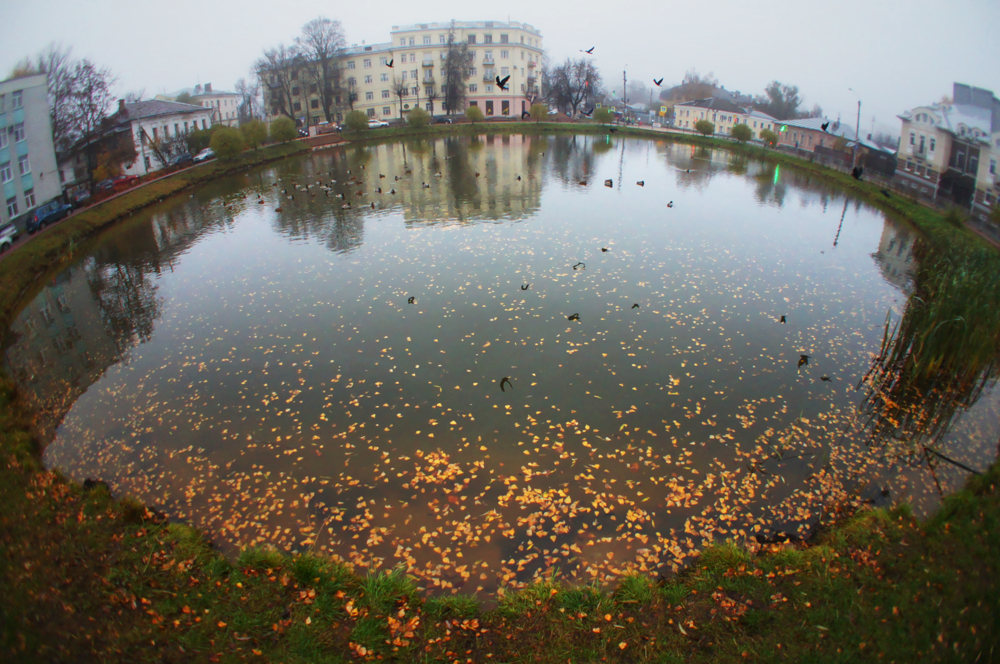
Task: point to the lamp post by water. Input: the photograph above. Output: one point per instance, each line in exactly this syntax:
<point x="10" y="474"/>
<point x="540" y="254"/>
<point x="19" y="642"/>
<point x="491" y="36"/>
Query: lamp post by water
<point x="857" y="133"/>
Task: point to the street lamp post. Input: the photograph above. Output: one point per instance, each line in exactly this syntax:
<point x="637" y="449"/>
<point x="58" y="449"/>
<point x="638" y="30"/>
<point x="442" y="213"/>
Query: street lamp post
<point x="857" y="133"/>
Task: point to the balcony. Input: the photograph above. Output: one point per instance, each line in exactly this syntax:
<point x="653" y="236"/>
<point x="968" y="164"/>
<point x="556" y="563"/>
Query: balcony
<point x="532" y="64"/>
<point x="427" y="80"/>
<point x="488" y="61"/>
<point x="427" y="63"/>
<point x="489" y="77"/>
<point x="531" y="82"/>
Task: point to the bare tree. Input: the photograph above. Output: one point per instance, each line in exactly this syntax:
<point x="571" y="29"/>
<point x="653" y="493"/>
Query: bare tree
<point x="55" y="62"/>
<point x="457" y="64"/>
<point x="431" y="95"/>
<point x="248" y="107"/>
<point x="321" y="45"/>
<point x="276" y="69"/>
<point x="91" y="99"/>
<point x="575" y="82"/>
<point x="400" y="89"/>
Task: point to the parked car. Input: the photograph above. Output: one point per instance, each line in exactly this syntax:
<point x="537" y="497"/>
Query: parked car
<point x="442" y="120"/>
<point x="105" y="185"/>
<point x="46" y="214"/>
<point x="375" y="124"/>
<point x="80" y="198"/>
<point x="7" y="236"/>
<point x="125" y="182"/>
<point x="180" y="160"/>
<point x="204" y="155"/>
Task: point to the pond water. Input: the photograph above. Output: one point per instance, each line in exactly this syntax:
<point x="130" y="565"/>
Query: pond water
<point x="277" y="368"/>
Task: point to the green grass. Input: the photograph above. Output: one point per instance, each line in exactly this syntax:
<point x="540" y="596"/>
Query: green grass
<point x="87" y="578"/>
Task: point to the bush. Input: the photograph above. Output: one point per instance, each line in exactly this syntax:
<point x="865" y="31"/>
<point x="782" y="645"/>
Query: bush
<point x="283" y="130"/>
<point x="704" y="127"/>
<point x="603" y="115"/>
<point x="474" y="114"/>
<point x="227" y="142"/>
<point x="741" y="133"/>
<point x="200" y="139"/>
<point x="539" y="112"/>
<point x="769" y="138"/>
<point x="254" y="133"/>
<point x="418" y="117"/>
<point x="356" y="121"/>
<point x="955" y="217"/>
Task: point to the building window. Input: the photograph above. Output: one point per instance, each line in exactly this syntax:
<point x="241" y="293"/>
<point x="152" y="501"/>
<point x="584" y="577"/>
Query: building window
<point x="993" y="166"/>
<point x="295" y="92"/>
<point x="5" y="173"/>
<point x="146" y="159"/>
<point x="371" y="112"/>
<point x="3" y="103"/>
<point x="504" y="71"/>
<point x="386" y="110"/>
<point x="12" y="207"/>
<point x="24" y="165"/>
<point x="384" y="78"/>
<point x="406" y="75"/>
<point x="385" y="94"/>
<point x="473" y="87"/>
<point x="367" y="63"/>
<point x="402" y="41"/>
<point x="487" y="39"/>
<point x="350" y="64"/>
<point x="412" y="41"/>
<point x="369" y="96"/>
<point x="427" y="40"/>
<point x="3" y="139"/>
<point x="156" y="134"/>
<point x="295" y="75"/>
<point x="315" y="119"/>
<point x="29" y="198"/>
<point x="204" y="124"/>
<point x="489" y="88"/>
<point x="312" y="88"/>
<point x="19" y="132"/>
<point x="351" y="82"/>
<point x="297" y="106"/>
<point x="913" y="138"/>
<point x="314" y="103"/>
<point x="503" y="39"/>
<point x="16" y="100"/>
<point x="368" y="78"/>
<point x="504" y="55"/>
<point x="472" y="39"/>
<point x="441" y="39"/>
<point x="909" y="165"/>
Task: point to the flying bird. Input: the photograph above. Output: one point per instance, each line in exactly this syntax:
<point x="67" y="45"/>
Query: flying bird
<point x="573" y="317"/>
<point x="825" y="125"/>
<point x="589" y="113"/>
<point x="502" y="83"/>
<point x="803" y="359"/>
<point x="604" y="250"/>
<point x="589" y="51"/>
<point x="782" y="318"/>
<point x="381" y="177"/>
<point x="670" y="204"/>
<point x="635" y="306"/>
<point x="388" y="65"/>
<point x="825" y="379"/>
<point x="609" y="183"/>
<point x="411" y="300"/>
<point x="505" y="379"/>
<point x="579" y="264"/>
<point x="525" y="286"/>
<point x="641" y="183"/>
<point x="658" y="83"/>
<point x="525" y="114"/>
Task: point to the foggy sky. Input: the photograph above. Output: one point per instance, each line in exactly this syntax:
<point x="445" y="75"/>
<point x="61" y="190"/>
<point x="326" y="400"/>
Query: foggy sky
<point x="895" y="53"/>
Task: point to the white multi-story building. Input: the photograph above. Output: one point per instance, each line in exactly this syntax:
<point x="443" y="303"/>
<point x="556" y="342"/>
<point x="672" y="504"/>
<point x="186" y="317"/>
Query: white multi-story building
<point x="28" y="172"/>
<point x="224" y="105"/>
<point x="143" y="122"/>
<point x="417" y="53"/>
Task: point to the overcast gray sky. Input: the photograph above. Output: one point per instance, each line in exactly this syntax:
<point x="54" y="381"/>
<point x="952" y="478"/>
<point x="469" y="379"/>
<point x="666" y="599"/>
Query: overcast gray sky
<point x="894" y="53"/>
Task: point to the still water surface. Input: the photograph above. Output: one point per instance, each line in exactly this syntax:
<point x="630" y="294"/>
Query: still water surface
<point x="277" y="369"/>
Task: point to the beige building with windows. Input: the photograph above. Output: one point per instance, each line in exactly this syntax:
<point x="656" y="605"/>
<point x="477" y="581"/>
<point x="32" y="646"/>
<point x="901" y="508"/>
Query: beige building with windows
<point x="417" y="53"/>
<point x="723" y="114"/>
<point x="224" y="105"/>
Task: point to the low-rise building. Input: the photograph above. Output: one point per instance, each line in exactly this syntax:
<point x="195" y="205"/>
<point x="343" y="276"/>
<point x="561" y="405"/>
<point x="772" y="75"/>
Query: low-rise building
<point x="224" y="105"/>
<point x="28" y="172"/>
<point x="148" y="124"/>
<point x="723" y="114"/>
<point x="808" y="133"/>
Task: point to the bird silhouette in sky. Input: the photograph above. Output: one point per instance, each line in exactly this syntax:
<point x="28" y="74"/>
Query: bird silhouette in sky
<point x="635" y="306"/>
<point x="502" y="83"/>
<point x="803" y="359"/>
<point x="604" y="249"/>
<point x="390" y="62"/>
<point x="609" y="183"/>
<point x="825" y="125"/>
<point x="579" y="264"/>
<point x="587" y="114"/>
<point x="589" y="51"/>
<point x="641" y="183"/>
<point x="658" y="83"/>
<point x="505" y="379"/>
<point x="825" y="379"/>
<point x="525" y="286"/>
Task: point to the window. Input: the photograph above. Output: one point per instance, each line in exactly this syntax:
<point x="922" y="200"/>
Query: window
<point x="383" y="61"/>
<point x="177" y="129"/>
<point x="371" y="112"/>
<point x="3" y="103"/>
<point x="993" y="166"/>
<point x="406" y="75"/>
<point x="314" y="103"/>
<point x="204" y="124"/>
<point x="386" y="110"/>
<point x="297" y="106"/>
<point x="429" y="107"/>
<point x="504" y="71"/>
<point x="427" y="39"/>
<point x="441" y="39"/>
<point x="428" y="92"/>
<point x="522" y="55"/>
<point x="472" y="72"/>
<point x="471" y="39"/>
<point x="367" y="63"/>
<point x="295" y="91"/>
<point x="504" y="55"/>
<point x="384" y="78"/>
<point x="351" y="82"/>
<point x="487" y="39"/>
<point x="12" y="207"/>
<point x="488" y="56"/>
<point x="350" y="64"/>
<point x="315" y="119"/>
<point x="503" y="39"/>
<point x="156" y="134"/>
<point x="385" y="94"/>
<point x="3" y="139"/>
<point x="489" y="88"/>
<point x="5" y="172"/>
<point x="19" y="132"/>
<point x="146" y="159"/>
<point x="473" y="87"/>
<point x="412" y="41"/>
<point x="413" y="74"/>
<point x="23" y="165"/>
<point x="368" y="78"/>
<point x="15" y="101"/>
<point x="312" y="88"/>
<point x="402" y="41"/>
<point x="913" y="138"/>
<point x="29" y="198"/>
<point x="295" y="75"/>
<point x="369" y="96"/>
<point x="909" y="165"/>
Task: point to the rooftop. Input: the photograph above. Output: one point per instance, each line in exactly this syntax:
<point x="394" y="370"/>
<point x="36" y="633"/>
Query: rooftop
<point x="716" y="104"/>
<point x="355" y="49"/>
<point x="140" y="110"/>
<point x="447" y="25"/>
<point x="836" y="127"/>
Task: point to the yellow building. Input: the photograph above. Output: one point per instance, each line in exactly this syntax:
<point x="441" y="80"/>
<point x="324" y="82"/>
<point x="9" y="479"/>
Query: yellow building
<point x="723" y="114"/>
<point x="417" y="53"/>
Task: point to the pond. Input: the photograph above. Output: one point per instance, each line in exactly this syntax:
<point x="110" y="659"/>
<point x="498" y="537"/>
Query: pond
<point x="493" y="359"/>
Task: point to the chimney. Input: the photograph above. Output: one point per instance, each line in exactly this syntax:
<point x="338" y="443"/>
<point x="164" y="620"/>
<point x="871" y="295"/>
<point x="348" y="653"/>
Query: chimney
<point x="121" y="106"/>
<point x="208" y="88"/>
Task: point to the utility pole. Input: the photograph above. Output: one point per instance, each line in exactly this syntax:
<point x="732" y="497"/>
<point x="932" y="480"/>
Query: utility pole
<point x="624" y="100"/>
<point x="857" y="136"/>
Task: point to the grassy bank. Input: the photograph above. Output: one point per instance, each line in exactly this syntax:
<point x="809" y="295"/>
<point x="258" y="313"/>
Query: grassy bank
<point x="91" y="578"/>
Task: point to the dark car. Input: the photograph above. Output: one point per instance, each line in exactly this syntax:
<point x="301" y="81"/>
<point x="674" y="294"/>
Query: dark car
<point x="181" y="160"/>
<point x="80" y="198"/>
<point x="46" y="214"/>
<point x="105" y="185"/>
<point x="442" y="120"/>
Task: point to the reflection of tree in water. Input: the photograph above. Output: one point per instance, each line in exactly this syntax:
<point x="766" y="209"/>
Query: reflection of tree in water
<point x="937" y="359"/>
<point x="127" y="300"/>
<point x="461" y="174"/>
<point x="572" y="158"/>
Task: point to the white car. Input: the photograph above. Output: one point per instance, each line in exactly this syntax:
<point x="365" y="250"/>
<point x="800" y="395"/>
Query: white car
<point x="204" y="155"/>
<point x="375" y="124"/>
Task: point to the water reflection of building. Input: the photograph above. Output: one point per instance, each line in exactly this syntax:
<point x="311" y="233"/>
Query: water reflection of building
<point x="895" y="256"/>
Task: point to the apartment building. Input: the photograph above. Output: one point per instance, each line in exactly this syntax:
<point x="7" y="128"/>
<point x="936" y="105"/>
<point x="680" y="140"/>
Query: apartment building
<point x="417" y="52"/>
<point x="28" y="172"/>
<point x="143" y="122"/>
<point x="224" y="105"/>
<point x="723" y="114"/>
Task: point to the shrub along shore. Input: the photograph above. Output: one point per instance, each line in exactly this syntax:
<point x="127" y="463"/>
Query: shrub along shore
<point x="91" y="578"/>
